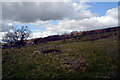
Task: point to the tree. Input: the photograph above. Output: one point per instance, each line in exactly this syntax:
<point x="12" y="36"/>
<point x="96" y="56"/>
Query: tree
<point x="77" y="37"/>
<point x="72" y="34"/>
<point x="93" y="36"/>
<point x="17" y="35"/>
<point x="64" y="37"/>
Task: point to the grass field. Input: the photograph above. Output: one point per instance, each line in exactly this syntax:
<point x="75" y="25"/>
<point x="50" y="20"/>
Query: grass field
<point x="82" y="59"/>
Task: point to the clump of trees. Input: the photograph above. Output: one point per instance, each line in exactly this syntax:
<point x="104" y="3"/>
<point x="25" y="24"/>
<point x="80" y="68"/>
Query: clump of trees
<point x="64" y="37"/>
<point x="17" y="36"/>
<point x="89" y="36"/>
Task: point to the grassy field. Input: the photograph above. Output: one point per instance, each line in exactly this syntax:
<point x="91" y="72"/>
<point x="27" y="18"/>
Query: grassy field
<point x="82" y="59"/>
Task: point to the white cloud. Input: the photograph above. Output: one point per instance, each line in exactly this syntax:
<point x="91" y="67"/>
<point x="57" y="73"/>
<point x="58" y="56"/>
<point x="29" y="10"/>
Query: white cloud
<point x="10" y="24"/>
<point x="35" y="35"/>
<point x="109" y="20"/>
<point x="42" y="13"/>
<point x="39" y="34"/>
<point x="1" y="35"/>
<point x="81" y="11"/>
<point x="72" y="16"/>
<point x="112" y="13"/>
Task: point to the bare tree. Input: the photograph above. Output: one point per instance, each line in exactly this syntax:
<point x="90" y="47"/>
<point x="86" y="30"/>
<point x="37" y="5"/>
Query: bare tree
<point x="17" y="35"/>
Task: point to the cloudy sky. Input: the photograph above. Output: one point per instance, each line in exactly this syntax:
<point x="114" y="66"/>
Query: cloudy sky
<point x="49" y="18"/>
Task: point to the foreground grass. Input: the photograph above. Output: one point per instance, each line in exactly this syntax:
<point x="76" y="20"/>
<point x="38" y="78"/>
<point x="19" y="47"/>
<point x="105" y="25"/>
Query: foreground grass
<point x="101" y="59"/>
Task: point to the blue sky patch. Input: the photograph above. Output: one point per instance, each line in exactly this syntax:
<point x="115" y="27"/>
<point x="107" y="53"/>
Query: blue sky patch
<point x="101" y="7"/>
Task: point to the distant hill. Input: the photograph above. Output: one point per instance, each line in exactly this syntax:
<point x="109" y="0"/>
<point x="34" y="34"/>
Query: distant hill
<point x="82" y="35"/>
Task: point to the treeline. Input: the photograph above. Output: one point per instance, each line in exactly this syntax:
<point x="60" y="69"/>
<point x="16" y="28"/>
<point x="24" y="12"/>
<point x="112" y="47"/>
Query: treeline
<point x="83" y="36"/>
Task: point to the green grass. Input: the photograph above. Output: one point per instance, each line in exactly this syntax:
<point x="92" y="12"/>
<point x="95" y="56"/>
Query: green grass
<point x="101" y="57"/>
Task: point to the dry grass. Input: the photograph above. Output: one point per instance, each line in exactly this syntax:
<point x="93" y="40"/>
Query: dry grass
<point x="76" y="60"/>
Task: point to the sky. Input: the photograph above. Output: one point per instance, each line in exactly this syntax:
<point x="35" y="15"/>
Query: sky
<point x="51" y="18"/>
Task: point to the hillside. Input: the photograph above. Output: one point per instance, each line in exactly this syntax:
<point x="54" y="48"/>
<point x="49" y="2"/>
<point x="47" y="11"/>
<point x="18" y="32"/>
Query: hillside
<point x="83" y="36"/>
<point x="78" y="58"/>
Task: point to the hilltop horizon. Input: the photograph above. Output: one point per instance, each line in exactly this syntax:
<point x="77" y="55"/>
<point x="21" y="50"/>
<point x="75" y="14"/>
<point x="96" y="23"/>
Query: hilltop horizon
<point x="69" y="33"/>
